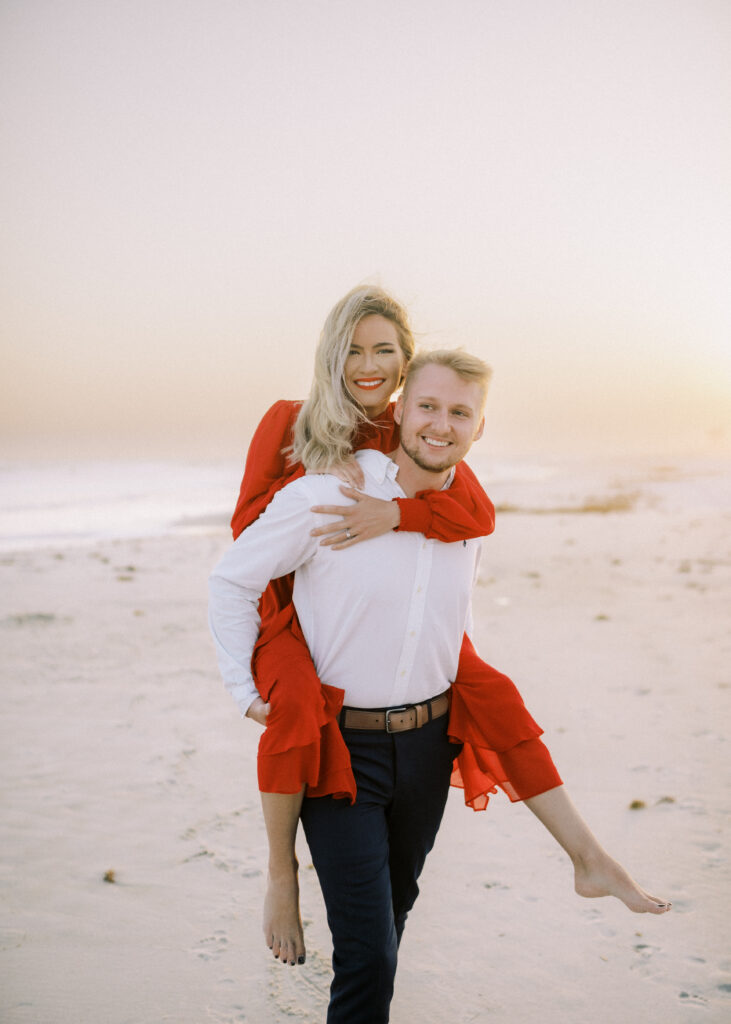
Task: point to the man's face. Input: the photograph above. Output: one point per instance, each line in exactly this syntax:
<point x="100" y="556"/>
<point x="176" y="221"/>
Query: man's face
<point x="440" y="417"/>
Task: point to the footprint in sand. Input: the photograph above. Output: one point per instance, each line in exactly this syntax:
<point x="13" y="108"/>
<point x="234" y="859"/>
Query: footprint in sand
<point x="645" y="951"/>
<point x="648" y="956"/>
<point x="692" y="999"/>
<point x="286" y="989"/>
<point x="235" y="1014"/>
<point x="212" y="947"/>
<point x="29" y="619"/>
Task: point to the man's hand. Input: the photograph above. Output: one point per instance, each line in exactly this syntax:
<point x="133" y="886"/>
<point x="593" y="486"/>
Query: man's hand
<point x="259" y="711"/>
<point x="368" y="517"/>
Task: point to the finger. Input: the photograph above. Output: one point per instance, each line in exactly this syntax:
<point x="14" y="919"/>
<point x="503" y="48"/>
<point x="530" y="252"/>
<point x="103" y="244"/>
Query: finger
<point x="351" y="492"/>
<point x="332" y="510"/>
<point x="324" y="531"/>
<point x="337" y="544"/>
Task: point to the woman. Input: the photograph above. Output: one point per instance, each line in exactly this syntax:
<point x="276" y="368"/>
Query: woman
<point x="365" y="345"/>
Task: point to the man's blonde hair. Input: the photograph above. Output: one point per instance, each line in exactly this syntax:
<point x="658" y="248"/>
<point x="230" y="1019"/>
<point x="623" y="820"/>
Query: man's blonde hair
<point x="328" y="420"/>
<point x="470" y="368"/>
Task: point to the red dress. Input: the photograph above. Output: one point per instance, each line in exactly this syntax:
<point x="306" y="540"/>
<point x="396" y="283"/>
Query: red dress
<point x="302" y="742"/>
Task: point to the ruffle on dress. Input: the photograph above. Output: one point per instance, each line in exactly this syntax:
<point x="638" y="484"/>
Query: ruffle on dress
<point x="302" y="743"/>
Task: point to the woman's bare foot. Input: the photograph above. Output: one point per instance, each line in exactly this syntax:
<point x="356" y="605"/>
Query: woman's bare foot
<point x="600" y="875"/>
<point x="282" y="922"/>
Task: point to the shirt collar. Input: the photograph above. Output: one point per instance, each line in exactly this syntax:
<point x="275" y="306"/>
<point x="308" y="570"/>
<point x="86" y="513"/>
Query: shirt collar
<point x="381" y="467"/>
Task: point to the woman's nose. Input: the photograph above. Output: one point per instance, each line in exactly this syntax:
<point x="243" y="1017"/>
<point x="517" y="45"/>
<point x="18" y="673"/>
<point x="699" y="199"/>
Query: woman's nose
<point x="368" y="362"/>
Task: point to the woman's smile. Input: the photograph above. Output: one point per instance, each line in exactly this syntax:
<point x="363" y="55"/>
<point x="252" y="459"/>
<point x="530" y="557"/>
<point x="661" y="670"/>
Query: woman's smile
<point x="374" y="364"/>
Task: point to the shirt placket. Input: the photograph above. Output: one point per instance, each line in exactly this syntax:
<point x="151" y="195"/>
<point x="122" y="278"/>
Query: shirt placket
<point x="415" y="622"/>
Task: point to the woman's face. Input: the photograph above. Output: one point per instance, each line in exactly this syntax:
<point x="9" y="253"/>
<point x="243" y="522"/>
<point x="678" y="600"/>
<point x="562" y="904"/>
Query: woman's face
<point x="374" y="364"/>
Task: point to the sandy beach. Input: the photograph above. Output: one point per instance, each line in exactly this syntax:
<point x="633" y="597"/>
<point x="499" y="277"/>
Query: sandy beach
<point x="133" y="845"/>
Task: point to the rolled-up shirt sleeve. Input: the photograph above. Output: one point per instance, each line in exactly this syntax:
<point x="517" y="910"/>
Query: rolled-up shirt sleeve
<point x="277" y="543"/>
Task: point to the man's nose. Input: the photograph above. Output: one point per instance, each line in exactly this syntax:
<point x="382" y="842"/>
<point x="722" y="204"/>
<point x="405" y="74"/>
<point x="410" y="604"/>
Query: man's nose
<point x="440" y="420"/>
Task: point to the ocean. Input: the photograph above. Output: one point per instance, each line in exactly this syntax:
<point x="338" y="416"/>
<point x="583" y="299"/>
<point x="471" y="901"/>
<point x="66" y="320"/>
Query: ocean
<point x="45" y="504"/>
<point x="61" y="503"/>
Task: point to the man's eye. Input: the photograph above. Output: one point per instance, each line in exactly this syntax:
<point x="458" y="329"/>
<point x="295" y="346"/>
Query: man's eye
<point x="426" y="405"/>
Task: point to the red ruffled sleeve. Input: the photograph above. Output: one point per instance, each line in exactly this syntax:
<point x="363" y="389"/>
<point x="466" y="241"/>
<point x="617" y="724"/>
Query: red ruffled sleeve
<point x="267" y="469"/>
<point x="460" y="513"/>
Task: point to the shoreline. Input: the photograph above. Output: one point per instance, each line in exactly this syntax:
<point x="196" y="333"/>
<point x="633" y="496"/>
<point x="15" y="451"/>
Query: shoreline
<point x="82" y="503"/>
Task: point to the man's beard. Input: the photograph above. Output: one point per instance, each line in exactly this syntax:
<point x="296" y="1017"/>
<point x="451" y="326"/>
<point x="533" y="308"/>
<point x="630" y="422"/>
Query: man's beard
<point x="430" y="467"/>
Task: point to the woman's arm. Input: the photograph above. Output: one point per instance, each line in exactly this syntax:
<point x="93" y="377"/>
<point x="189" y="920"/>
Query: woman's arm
<point x="267" y="469"/>
<point x="462" y="512"/>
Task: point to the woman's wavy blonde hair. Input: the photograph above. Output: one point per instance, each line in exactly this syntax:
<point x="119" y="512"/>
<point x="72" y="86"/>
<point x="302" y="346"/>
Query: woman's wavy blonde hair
<point x="328" y="420"/>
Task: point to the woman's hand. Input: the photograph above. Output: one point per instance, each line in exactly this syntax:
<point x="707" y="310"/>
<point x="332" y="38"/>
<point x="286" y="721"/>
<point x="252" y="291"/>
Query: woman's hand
<point x="349" y="472"/>
<point x="368" y="517"/>
<point x="258" y="711"/>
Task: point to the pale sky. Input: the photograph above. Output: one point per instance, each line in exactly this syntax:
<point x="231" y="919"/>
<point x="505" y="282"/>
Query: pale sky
<point x="189" y="185"/>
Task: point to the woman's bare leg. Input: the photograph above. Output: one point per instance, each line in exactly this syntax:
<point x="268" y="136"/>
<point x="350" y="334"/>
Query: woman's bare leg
<point x="282" y="921"/>
<point x="595" y="872"/>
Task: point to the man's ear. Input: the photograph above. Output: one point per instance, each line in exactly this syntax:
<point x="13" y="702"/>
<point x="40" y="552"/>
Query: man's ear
<point x="398" y="409"/>
<point x="478" y="433"/>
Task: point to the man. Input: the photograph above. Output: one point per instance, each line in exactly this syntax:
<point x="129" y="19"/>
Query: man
<point x="391" y="647"/>
<point x="384" y="621"/>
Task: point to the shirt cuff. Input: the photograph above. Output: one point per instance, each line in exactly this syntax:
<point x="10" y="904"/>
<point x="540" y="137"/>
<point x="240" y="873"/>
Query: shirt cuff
<point x="244" y="694"/>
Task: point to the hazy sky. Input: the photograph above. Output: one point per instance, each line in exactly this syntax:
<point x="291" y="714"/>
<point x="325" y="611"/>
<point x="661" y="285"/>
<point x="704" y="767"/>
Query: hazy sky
<point x="189" y="186"/>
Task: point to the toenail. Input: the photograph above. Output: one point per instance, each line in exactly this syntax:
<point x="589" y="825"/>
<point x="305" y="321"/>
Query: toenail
<point x="300" y="959"/>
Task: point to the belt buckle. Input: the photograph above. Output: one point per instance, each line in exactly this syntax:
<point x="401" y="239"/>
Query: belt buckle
<point x="391" y="711"/>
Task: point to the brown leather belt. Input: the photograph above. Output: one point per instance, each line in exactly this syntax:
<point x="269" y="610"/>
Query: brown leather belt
<point x="410" y="716"/>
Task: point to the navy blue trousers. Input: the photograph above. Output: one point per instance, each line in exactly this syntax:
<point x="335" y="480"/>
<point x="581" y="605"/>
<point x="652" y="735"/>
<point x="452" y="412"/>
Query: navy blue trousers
<point x="369" y="855"/>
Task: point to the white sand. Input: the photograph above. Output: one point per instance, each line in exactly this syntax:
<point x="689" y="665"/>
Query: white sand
<point x="122" y="752"/>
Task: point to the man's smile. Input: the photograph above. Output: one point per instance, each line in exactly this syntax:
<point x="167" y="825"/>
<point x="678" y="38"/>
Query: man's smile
<point x="434" y="442"/>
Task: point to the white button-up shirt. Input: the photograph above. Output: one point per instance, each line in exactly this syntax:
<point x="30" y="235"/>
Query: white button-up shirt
<point x="383" y="619"/>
